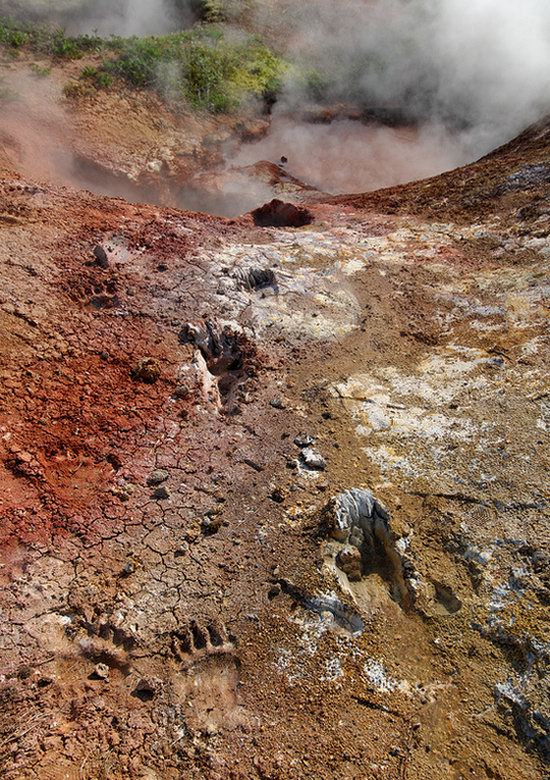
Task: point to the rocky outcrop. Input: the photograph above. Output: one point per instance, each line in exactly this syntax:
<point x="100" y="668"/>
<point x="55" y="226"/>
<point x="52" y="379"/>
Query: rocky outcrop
<point x="276" y="213"/>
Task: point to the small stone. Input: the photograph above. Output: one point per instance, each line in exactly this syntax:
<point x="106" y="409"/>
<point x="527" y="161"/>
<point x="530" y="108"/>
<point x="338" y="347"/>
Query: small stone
<point x="277" y="403"/>
<point x="277" y="213"/>
<point x="157" y="477"/>
<point x="147" y="370"/>
<point x="146" y="689"/>
<point x="313" y="460"/>
<point x="274" y="591"/>
<point x="349" y="561"/>
<point x="101" y="672"/>
<point x="182" y="391"/>
<point x="128" y="568"/>
<point x="304" y="440"/>
<point x="161" y="493"/>
<point x="101" y="257"/>
<point x="278" y="495"/>
<point x="212" y="524"/>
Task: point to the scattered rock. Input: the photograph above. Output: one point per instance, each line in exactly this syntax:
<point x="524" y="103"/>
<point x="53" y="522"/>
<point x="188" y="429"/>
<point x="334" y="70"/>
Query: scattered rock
<point x="313" y="459"/>
<point x="278" y="495"/>
<point x="146" y="689"/>
<point x="277" y="403"/>
<point x="157" y="477"/>
<point x="101" y="257"/>
<point x="276" y="213"/>
<point x="349" y="561"/>
<point x="128" y="568"/>
<point x="182" y="392"/>
<point x="101" y="672"/>
<point x="147" y="371"/>
<point x="274" y="591"/>
<point x="304" y="440"/>
<point x="211" y="524"/>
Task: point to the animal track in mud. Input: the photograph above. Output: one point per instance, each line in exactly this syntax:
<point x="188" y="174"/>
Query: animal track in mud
<point x="447" y="601"/>
<point x="104" y="295"/>
<point x="103" y="642"/>
<point x="194" y="642"/>
<point x="97" y="293"/>
<point x="361" y="525"/>
<point x="252" y="279"/>
<point x="209" y="676"/>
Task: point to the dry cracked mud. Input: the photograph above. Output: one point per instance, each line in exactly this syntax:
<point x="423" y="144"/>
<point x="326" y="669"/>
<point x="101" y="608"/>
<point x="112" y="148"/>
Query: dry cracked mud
<point x="175" y="601"/>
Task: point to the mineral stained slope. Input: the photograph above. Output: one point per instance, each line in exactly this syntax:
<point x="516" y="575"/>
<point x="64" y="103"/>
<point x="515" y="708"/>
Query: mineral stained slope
<point x="183" y="400"/>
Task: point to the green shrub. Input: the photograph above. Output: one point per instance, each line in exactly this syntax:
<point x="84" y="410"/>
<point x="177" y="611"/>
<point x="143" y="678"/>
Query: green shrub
<point x="74" y="90"/>
<point x="98" y="78"/>
<point x="11" y="36"/>
<point x="199" y="66"/>
<point x="43" y="40"/>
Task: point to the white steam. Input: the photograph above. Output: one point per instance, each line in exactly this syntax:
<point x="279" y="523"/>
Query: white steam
<point x="468" y="75"/>
<point x="107" y="17"/>
<point x="455" y="77"/>
<point x="483" y="63"/>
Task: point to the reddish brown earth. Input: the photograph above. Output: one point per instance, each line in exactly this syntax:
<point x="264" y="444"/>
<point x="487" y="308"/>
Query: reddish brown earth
<point x="168" y="593"/>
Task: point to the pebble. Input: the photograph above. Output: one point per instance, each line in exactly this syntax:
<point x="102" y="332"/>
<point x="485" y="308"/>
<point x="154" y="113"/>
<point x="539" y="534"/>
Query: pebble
<point x="304" y="440"/>
<point x="157" y="477"/>
<point x="101" y="671"/>
<point x="313" y="459"/>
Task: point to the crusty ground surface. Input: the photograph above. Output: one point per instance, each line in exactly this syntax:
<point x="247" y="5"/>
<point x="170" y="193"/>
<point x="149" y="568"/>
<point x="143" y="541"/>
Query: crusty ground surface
<point x="406" y="333"/>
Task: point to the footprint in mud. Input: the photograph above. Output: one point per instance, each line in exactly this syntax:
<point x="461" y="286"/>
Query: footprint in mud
<point x="195" y="642"/>
<point x="97" y="293"/>
<point x="209" y="679"/>
<point x="104" y="295"/>
<point x="102" y="643"/>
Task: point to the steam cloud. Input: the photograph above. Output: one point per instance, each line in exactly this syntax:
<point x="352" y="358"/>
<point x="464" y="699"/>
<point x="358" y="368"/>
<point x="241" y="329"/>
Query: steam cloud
<point x="107" y="17"/>
<point x="456" y="79"/>
<point x="470" y="74"/>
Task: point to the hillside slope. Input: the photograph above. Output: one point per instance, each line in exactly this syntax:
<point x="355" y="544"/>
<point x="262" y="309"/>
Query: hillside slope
<point x="185" y="397"/>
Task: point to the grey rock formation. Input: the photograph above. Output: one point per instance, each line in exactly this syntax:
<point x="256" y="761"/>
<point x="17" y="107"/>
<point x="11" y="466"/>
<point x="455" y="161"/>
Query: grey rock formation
<point x="354" y="514"/>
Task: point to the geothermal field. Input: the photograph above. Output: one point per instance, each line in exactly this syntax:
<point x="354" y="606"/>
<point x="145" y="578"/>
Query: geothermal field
<point x="274" y="395"/>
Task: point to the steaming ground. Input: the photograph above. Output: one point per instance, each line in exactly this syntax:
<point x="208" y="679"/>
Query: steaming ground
<point x="106" y="17"/>
<point x="460" y="79"/>
<point x="348" y="156"/>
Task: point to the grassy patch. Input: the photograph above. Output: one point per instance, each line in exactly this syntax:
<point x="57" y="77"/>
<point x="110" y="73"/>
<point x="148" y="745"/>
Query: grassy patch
<point x="49" y="42"/>
<point x="200" y="66"/>
<point x="203" y="67"/>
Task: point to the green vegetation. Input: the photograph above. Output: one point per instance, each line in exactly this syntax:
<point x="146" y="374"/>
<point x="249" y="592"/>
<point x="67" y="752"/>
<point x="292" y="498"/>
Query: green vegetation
<point x="42" y="40"/>
<point x="201" y="66"/>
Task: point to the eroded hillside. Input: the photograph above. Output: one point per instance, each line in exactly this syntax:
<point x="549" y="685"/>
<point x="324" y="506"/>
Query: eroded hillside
<point x="274" y="500"/>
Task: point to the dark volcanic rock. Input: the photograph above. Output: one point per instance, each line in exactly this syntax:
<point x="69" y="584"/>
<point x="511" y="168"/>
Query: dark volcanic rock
<point x="276" y="213"/>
